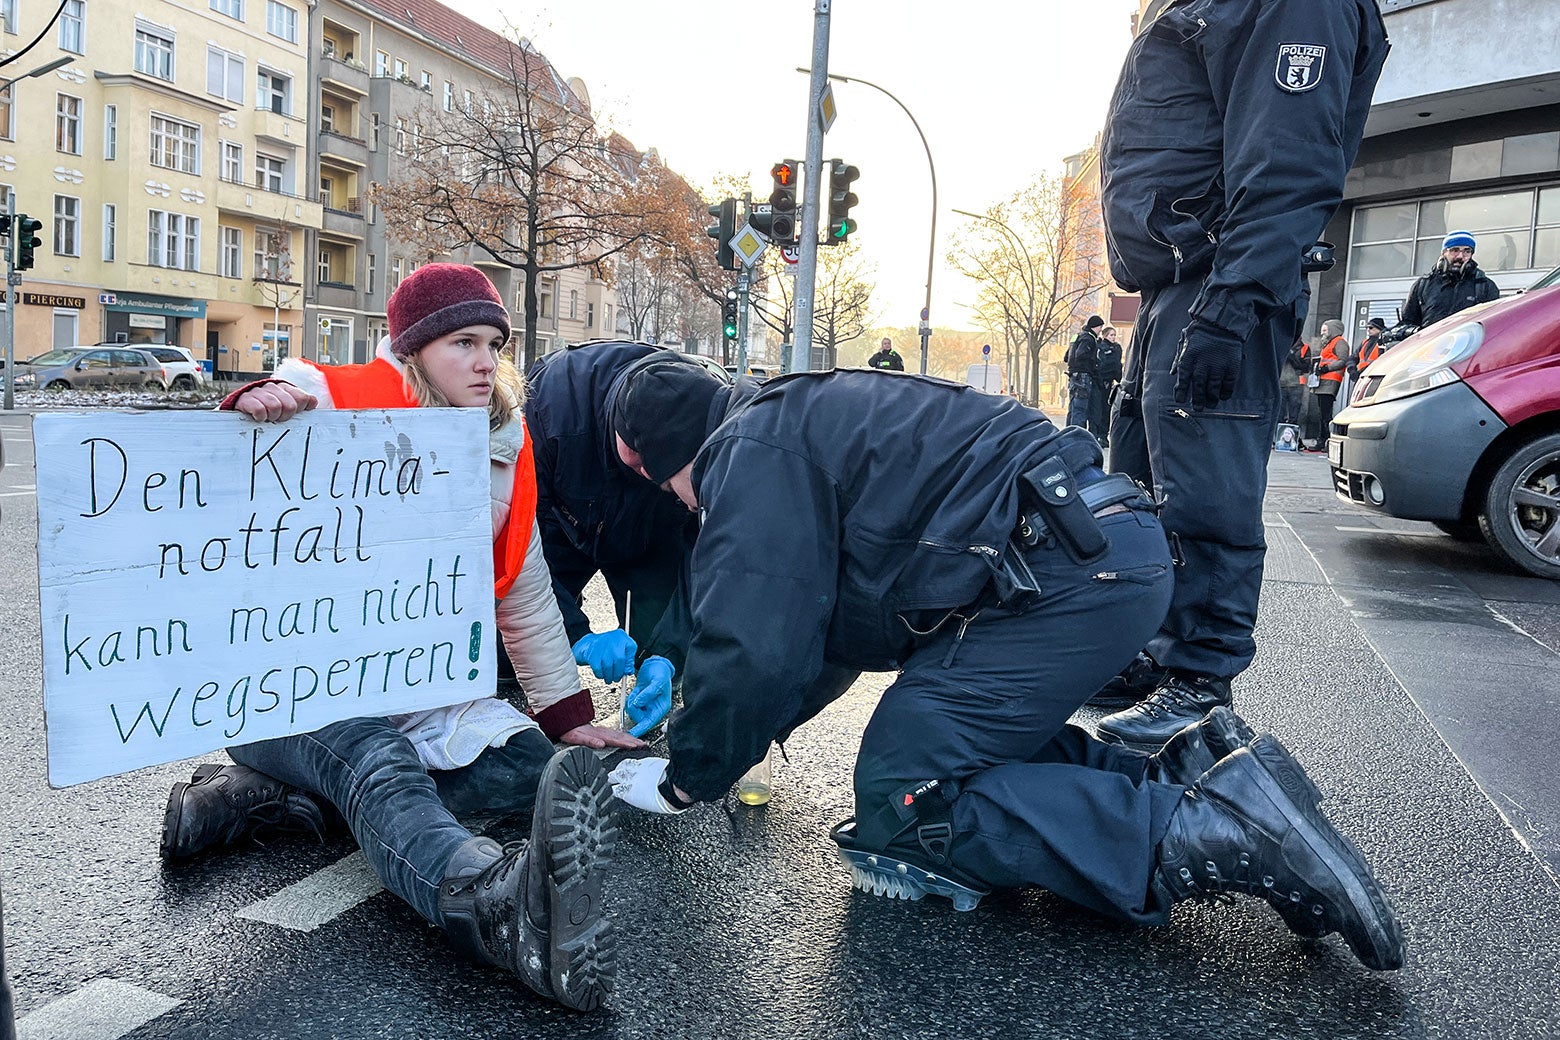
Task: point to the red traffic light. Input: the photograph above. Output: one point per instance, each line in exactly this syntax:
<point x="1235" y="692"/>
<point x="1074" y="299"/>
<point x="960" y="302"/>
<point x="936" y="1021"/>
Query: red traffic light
<point x="784" y="173"/>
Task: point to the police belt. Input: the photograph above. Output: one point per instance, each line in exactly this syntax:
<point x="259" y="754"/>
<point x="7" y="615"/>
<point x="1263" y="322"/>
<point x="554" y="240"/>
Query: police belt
<point x="1072" y="518"/>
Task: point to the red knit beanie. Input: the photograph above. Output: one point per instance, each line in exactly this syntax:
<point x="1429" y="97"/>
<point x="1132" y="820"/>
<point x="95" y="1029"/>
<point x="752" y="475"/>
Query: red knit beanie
<point x="436" y="300"/>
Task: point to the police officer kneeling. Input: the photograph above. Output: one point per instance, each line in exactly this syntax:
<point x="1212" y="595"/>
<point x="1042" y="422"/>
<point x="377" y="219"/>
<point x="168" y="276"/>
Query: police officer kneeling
<point x="1006" y="577"/>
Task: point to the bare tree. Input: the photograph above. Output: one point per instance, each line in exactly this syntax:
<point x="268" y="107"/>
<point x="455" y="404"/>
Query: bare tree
<point x="842" y="299"/>
<point x="1038" y="259"/>
<point x="521" y="174"/>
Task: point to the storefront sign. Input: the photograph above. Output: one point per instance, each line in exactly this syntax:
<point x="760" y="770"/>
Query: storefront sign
<point x="49" y="300"/>
<point x="172" y="306"/>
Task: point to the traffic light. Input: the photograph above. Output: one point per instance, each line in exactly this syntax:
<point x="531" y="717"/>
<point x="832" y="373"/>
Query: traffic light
<point x="725" y="212"/>
<point x="25" y="241"/>
<point x="841" y="199"/>
<point x="729" y="314"/>
<point x="781" y="222"/>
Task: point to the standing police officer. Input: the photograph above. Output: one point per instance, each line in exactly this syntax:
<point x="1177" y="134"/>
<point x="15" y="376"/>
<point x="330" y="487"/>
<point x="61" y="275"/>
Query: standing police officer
<point x="1006" y="576"/>
<point x="887" y="357"/>
<point x="1230" y="133"/>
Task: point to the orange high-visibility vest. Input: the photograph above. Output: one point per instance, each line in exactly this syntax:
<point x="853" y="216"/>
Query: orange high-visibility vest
<point x="1369" y="355"/>
<point x="1330" y="355"/>
<point x="379" y="384"/>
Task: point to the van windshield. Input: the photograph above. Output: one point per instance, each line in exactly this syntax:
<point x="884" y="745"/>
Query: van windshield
<point x="1552" y="278"/>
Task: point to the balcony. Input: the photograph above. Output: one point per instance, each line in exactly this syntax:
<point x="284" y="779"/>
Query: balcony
<point x="337" y="145"/>
<point x="338" y="71"/>
<point x="339" y="294"/>
<point x="347" y="221"/>
<point x="284" y="129"/>
<point x="241" y="197"/>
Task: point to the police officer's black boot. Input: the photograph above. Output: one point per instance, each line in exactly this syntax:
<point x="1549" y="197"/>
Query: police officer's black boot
<point x="222" y="804"/>
<point x="1252" y="826"/>
<point x="1180" y="699"/>
<point x="1195" y="749"/>
<point x="535" y="908"/>
<point x="1134" y="682"/>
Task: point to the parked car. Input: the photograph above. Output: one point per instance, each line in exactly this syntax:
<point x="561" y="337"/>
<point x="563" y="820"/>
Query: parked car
<point x="93" y="367"/>
<point x="1460" y="425"/>
<point x="183" y="371"/>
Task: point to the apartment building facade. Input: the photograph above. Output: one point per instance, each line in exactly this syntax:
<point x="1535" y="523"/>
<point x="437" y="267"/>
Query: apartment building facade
<point x="202" y="173"/>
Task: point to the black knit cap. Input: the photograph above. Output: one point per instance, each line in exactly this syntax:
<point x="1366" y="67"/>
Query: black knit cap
<point x="1094" y="322"/>
<point x="662" y="411"/>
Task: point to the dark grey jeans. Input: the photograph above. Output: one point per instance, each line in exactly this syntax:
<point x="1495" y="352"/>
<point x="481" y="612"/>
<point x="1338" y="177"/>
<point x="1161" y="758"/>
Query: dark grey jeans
<point x="403" y="817"/>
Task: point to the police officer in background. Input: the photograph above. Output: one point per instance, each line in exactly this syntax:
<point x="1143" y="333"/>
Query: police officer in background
<point x="1233" y="125"/>
<point x="1107" y="379"/>
<point x="1083" y="359"/>
<point x="1453" y="284"/>
<point x="1005" y="576"/>
<point x="887" y="357"/>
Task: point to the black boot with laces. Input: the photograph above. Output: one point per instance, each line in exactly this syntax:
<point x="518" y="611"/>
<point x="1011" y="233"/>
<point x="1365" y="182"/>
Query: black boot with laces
<point x="222" y="804"/>
<point x="1180" y="700"/>
<point x="1251" y="827"/>
<point x="535" y="908"/>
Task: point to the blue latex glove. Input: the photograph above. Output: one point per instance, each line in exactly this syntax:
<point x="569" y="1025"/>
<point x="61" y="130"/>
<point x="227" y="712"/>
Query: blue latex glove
<point x="651" y="698"/>
<point x="609" y="654"/>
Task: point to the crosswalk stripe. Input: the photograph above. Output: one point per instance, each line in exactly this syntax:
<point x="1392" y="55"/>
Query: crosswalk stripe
<point x="318" y="898"/>
<point x="103" y="1009"/>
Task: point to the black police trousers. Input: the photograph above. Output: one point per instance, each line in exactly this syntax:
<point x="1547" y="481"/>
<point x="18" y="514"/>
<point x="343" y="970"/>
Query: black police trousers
<point x="984" y="709"/>
<point x="1210" y="470"/>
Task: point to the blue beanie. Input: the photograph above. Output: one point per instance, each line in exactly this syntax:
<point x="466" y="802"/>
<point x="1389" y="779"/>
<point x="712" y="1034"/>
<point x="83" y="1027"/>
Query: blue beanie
<point x="1456" y="239"/>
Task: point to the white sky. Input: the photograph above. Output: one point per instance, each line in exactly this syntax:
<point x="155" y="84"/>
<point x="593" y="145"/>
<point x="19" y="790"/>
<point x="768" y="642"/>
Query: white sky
<point x="1003" y="90"/>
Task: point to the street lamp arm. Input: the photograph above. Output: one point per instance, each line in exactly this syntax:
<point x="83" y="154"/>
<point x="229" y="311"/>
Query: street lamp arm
<point x="931" y="249"/>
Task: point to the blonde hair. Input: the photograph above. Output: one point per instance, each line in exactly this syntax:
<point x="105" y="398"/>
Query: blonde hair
<point x="503" y="407"/>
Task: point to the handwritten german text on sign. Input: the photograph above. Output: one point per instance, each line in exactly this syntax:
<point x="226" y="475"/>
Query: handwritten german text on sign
<point x="209" y="581"/>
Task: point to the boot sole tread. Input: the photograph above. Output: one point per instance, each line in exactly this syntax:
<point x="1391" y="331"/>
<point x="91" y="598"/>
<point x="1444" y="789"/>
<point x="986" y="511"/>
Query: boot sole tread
<point x="1283" y="776"/>
<point x="576" y="809"/>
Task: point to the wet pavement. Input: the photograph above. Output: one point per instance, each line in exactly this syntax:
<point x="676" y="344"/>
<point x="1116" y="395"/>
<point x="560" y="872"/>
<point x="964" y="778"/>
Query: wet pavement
<point x="739" y="922"/>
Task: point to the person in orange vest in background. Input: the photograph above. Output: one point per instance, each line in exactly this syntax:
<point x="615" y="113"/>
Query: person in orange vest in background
<point x="1370" y="349"/>
<point x="1331" y="364"/>
<point x="400" y="781"/>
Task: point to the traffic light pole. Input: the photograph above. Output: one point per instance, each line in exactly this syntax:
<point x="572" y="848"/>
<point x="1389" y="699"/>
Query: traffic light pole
<point x="807" y="270"/>
<point x="744" y="285"/>
<point x="12" y="298"/>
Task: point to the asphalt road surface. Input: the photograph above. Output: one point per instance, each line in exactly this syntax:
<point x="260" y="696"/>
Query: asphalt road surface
<point x="1415" y="677"/>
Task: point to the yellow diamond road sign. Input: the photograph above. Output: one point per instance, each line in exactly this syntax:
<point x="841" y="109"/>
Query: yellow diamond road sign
<point x="826" y="110"/>
<point x="748" y="244"/>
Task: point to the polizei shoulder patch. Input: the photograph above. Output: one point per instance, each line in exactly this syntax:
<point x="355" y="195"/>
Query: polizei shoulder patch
<point x="1300" y="66"/>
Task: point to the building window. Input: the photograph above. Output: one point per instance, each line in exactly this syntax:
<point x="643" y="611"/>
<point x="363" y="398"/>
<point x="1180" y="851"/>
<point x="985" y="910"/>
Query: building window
<point x="110" y="131"/>
<point x="400" y="68"/>
<point x="175" y="145"/>
<point x="232" y="162"/>
<point x="270" y="172"/>
<point x="427" y="81"/>
<point x="72" y="20"/>
<point x="400" y="137"/>
<point x="154" y="51"/>
<point x="231" y="262"/>
<point x="544" y="301"/>
<point x="397" y="272"/>
<point x="67" y="124"/>
<point x="110" y="238"/>
<point x="224" y="75"/>
<point x="381" y="63"/>
<point x="231" y="8"/>
<point x="449" y="96"/>
<point x="8" y="15"/>
<point x="67" y="226"/>
<point x="373" y="131"/>
<point x="273" y="92"/>
<point x="590" y="315"/>
<point x="466" y="103"/>
<point x="324" y="266"/>
<point x="574" y="304"/>
<point x="1404" y="239"/>
<point x="7" y="114"/>
<point x="606" y="317"/>
<point x="172" y="240"/>
<point x="327" y="118"/>
<point x="327" y="192"/>
<point x="272" y="250"/>
<point x="281" y="20"/>
<point x="372" y="274"/>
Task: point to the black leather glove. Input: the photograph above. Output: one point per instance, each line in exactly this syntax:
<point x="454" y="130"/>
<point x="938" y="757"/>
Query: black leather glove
<point x="1207" y="365"/>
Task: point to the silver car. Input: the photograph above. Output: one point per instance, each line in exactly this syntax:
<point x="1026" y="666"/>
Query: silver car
<point x="92" y="368"/>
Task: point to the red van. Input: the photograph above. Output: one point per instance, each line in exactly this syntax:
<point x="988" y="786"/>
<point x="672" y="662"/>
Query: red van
<point x="1460" y="425"/>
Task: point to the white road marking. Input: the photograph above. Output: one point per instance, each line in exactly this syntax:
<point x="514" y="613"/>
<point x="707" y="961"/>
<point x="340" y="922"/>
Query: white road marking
<point x="319" y="898"/>
<point x="1385" y="530"/>
<point x="103" y="1009"/>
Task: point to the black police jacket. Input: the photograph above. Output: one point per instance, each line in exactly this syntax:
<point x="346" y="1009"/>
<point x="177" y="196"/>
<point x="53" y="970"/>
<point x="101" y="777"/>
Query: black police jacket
<point x="1083" y="356"/>
<point x="834" y="506"/>
<point x="1109" y="356"/>
<point x="1232" y="127"/>
<point x="592" y="510"/>
<point x="1442" y="293"/>
<point x="887" y="359"/>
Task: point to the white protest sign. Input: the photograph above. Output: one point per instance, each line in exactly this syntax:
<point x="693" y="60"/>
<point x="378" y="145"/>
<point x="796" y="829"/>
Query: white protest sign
<point x="207" y="581"/>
